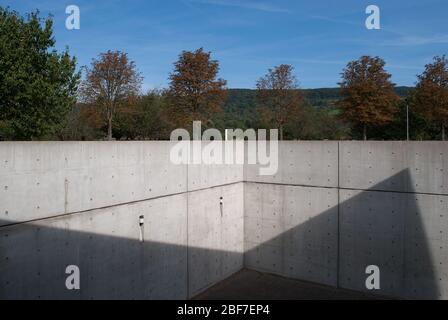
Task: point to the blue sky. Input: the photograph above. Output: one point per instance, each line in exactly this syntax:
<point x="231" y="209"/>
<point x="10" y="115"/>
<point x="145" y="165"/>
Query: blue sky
<point x="317" y="37"/>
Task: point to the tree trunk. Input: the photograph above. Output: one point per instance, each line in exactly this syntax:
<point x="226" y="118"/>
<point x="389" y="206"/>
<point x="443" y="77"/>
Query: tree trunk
<point x="443" y="132"/>
<point x="109" y="129"/>
<point x="281" y="133"/>
<point x="364" y="133"/>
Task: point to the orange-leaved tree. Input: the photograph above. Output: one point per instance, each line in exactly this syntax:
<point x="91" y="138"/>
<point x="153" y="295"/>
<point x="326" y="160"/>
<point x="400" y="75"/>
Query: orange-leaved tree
<point x="431" y="94"/>
<point x="195" y="92"/>
<point x="112" y="83"/>
<point x="367" y="94"/>
<point x="279" y="97"/>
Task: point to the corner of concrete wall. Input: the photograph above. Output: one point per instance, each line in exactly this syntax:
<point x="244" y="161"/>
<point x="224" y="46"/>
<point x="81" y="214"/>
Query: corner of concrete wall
<point x="331" y="209"/>
<point x="335" y="208"/>
<point x="80" y="203"/>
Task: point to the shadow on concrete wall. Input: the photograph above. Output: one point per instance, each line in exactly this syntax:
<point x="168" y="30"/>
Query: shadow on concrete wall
<point x="374" y="228"/>
<point x="386" y="229"/>
<point x="34" y="259"/>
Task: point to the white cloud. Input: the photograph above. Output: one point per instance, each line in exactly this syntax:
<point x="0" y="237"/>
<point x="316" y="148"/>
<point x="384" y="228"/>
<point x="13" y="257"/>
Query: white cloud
<point x="417" y="40"/>
<point x="253" y="5"/>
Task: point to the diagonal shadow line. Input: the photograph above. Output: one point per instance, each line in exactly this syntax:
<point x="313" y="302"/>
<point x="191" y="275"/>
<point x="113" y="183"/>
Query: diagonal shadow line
<point x="114" y="263"/>
<point x="34" y="256"/>
<point x="111" y="267"/>
<point x="387" y="229"/>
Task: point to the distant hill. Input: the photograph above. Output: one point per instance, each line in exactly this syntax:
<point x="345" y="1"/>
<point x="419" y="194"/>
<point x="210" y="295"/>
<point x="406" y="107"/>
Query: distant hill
<point x="322" y="97"/>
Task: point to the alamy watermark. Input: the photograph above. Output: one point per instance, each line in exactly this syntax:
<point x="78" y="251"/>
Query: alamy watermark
<point x="73" y="21"/>
<point x="72" y="282"/>
<point x="373" y="280"/>
<point x="373" y="21"/>
<point x="209" y="148"/>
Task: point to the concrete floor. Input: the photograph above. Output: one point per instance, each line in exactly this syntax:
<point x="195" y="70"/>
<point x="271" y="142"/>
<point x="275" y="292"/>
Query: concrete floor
<point x="254" y="285"/>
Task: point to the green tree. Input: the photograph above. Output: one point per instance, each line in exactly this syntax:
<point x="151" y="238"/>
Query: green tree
<point x="146" y="120"/>
<point x="317" y="124"/>
<point x="82" y="123"/>
<point x="37" y="84"/>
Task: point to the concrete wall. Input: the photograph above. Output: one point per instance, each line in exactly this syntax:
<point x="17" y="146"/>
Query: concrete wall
<point x="104" y="244"/>
<point x="332" y="209"/>
<point x="335" y="208"/>
<point x="79" y="203"/>
<point x="45" y="179"/>
<point x="393" y="213"/>
<point x="291" y="219"/>
<point x="307" y="163"/>
<point x="215" y="234"/>
<point x="292" y="231"/>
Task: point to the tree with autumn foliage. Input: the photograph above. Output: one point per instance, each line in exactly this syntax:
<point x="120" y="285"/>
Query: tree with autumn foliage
<point x="195" y="93"/>
<point x="112" y="85"/>
<point x="279" y="98"/>
<point x="367" y="94"/>
<point x="431" y="94"/>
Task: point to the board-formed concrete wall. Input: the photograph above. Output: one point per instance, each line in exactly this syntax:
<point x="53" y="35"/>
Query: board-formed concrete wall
<point x="79" y="203"/>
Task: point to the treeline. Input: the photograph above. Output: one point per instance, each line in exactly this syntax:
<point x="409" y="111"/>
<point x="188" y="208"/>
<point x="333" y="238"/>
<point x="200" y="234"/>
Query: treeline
<point x="44" y="97"/>
<point x="322" y="97"/>
<point x="323" y="116"/>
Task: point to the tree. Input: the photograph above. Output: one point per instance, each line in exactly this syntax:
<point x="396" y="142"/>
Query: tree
<point x="431" y="95"/>
<point x="368" y="97"/>
<point x="318" y="124"/>
<point x="81" y="123"/>
<point x="37" y="84"/>
<point x="111" y="83"/>
<point x="147" y="119"/>
<point x="195" y="93"/>
<point x="279" y="98"/>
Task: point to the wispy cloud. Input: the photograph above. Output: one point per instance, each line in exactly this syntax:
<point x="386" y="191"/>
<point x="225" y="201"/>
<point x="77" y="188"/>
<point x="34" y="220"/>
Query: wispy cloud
<point x="405" y="67"/>
<point x="252" y="5"/>
<point x="320" y="61"/>
<point x="335" y="20"/>
<point x="418" y="40"/>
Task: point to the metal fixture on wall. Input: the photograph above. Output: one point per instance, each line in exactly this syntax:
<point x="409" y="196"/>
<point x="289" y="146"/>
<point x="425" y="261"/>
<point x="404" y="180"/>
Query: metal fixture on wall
<point x="141" y="222"/>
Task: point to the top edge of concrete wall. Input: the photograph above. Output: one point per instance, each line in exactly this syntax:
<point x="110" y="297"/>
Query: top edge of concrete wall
<point x="401" y="166"/>
<point x="45" y="179"/>
<point x="310" y="163"/>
